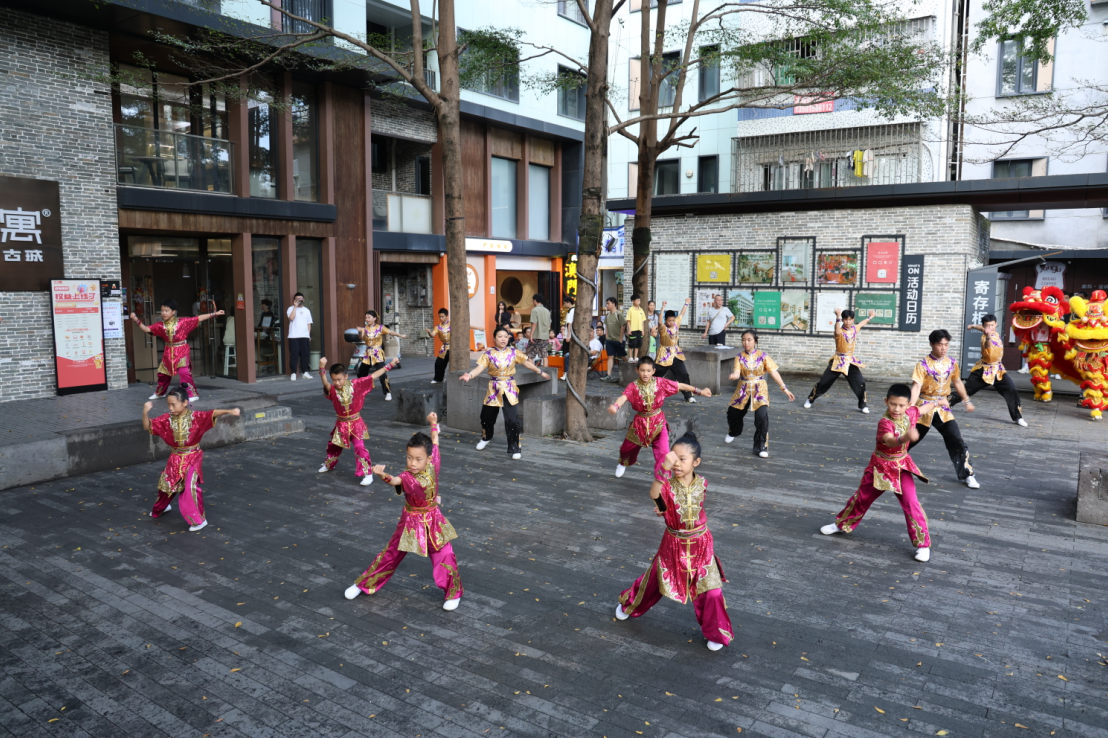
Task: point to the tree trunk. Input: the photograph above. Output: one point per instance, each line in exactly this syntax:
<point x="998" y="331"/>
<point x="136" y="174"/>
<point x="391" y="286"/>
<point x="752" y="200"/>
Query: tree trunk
<point x="449" y="119"/>
<point x="640" y="236"/>
<point x="591" y="228"/>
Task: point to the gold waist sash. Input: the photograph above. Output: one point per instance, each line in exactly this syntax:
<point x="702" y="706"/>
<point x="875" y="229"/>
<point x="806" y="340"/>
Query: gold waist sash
<point x="694" y="533"/>
<point x="175" y="344"/>
<point x="185" y="450"/>
<point x="409" y="508"/>
<point x="754" y="380"/>
<point x="934" y="398"/>
<point x="355" y="416"/>
<point x="890" y="457"/>
<point x="648" y="413"/>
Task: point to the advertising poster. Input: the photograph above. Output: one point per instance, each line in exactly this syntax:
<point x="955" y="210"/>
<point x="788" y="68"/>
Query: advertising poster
<point x="78" y="335"/>
<point x="882" y="303"/>
<point x="796" y="263"/>
<point x="611" y="247"/>
<point x="702" y="301"/>
<point x="841" y="269"/>
<point x="113" y="320"/>
<point x="713" y="268"/>
<point x="826" y="302"/>
<point x="767" y="311"/>
<point x="796" y="310"/>
<point x="756" y="268"/>
<point x="672" y="278"/>
<point x="882" y="261"/>
<point x="741" y="303"/>
<point x="1050" y="274"/>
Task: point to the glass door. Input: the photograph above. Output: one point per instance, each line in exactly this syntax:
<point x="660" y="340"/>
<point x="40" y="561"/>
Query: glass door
<point x="219" y="357"/>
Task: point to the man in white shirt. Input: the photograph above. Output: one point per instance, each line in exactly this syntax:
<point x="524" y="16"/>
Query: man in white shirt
<point x="300" y="332"/>
<point x="719" y="318"/>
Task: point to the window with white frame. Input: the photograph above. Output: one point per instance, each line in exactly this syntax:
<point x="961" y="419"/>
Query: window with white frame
<point x="667" y="91"/>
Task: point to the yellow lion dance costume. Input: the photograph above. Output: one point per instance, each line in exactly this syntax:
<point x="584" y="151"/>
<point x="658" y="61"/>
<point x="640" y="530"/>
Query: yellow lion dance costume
<point x="1042" y="336"/>
<point x="1087" y="349"/>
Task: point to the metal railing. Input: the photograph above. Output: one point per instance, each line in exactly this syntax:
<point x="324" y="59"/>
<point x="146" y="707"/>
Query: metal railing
<point x="401" y="212"/>
<point x="147" y="157"/>
<point x="844" y="157"/>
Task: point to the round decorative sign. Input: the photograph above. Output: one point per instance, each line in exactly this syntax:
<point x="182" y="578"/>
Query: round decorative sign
<point x="472" y="280"/>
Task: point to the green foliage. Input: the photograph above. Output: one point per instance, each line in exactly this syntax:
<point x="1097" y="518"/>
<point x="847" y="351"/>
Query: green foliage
<point x="488" y="58"/>
<point x="1037" y="21"/>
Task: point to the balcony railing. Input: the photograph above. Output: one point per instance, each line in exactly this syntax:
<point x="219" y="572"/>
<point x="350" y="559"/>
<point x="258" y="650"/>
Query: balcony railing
<point x="146" y="157"/>
<point x="401" y="212"/>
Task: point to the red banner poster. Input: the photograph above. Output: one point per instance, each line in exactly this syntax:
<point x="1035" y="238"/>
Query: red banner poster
<point x="882" y="261"/>
<point x="78" y="335"/>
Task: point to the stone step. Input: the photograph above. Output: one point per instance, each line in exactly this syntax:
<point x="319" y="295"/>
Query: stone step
<point x="273" y="412"/>
<point x="258" y="429"/>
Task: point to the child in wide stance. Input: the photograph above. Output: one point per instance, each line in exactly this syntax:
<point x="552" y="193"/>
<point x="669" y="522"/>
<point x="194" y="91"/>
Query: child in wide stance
<point x="182" y="428"/>
<point x="685" y="566"/>
<point x="423" y="529"/>
<point x="348" y="397"/>
<point x="891" y="469"/>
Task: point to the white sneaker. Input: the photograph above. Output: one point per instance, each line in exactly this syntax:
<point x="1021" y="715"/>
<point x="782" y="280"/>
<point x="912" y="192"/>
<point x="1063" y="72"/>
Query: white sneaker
<point x="713" y="646"/>
<point x="366" y="480"/>
<point x="691" y="400"/>
<point x="764" y="454"/>
<point x="153" y="396"/>
<point x="323" y="469"/>
<point x="481" y="445"/>
<point x="923" y="554"/>
<point x="620" y="614"/>
<point x="728" y="439"/>
<point x="306" y="375"/>
<point x="517" y="455"/>
<point x="807" y="404"/>
<point x="203" y="524"/>
<point x="620" y="469"/>
<point x="830" y="529"/>
<point x="1021" y="422"/>
<point x="167" y="509"/>
<point x="388" y="397"/>
<point x="451" y="604"/>
<point x="293" y="378"/>
<point x="352" y="591"/>
<point x="865" y="410"/>
<point x="434" y="381"/>
<point x="971" y="482"/>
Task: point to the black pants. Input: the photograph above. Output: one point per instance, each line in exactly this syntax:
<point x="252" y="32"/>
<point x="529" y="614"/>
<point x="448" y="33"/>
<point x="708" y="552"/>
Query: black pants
<point x="300" y="351"/>
<point x="440" y="366"/>
<point x="955" y="446"/>
<point x="680" y="374"/>
<point x="718" y="339"/>
<point x="1004" y="385"/>
<point x="512" y="424"/>
<point x="735" y="419"/>
<point x="854" y="378"/>
<point x="364" y="370"/>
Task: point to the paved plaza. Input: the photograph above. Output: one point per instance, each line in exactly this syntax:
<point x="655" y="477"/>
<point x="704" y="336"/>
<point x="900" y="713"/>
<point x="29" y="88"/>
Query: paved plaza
<point x="114" y="624"/>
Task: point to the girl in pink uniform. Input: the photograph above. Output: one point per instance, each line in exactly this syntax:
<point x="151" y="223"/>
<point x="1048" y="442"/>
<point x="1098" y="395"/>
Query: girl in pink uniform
<point x="423" y="529"/>
<point x="685" y="567"/>
<point x="182" y="428"/>
<point x="349" y="432"/>
<point x="648" y="427"/>
<point x="175" y="357"/>
<point x="891" y="469"/>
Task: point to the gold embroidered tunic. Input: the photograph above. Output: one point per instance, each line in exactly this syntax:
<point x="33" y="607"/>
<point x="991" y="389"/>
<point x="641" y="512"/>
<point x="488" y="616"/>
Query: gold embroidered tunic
<point x="422" y="522"/>
<point x="992" y="352"/>
<point x="752" y="387"/>
<point x="501" y="367"/>
<point x="934" y="377"/>
<point x="668" y="350"/>
<point x="443" y="332"/>
<point x="844" y="351"/>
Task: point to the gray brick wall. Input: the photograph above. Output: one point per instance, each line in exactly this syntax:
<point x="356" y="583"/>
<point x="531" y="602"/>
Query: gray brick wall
<point x="412" y="319"/>
<point x="55" y="123"/>
<point x="954" y="239"/>
<point x="393" y="118"/>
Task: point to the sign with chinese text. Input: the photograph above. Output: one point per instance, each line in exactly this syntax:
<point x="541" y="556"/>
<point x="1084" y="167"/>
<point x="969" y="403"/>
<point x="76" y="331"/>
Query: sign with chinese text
<point x="911" y="293"/>
<point x="713" y="268"/>
<point x="488" y="244"/>
<point x="767" y="311"/>
<point x="826" y="302"/>
<point x="75" y="310"/>
<point x="981" y="298"/>
<point x="1050" y="274"/>
<point x="30" y="234"/>
<point x="883" y="304"/>
<point x="806" y="104"/>
<point x="881" y="261"/>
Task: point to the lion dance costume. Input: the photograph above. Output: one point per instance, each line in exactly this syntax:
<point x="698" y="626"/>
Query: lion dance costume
<point x="1087" y="349"/>
<point x="1041" y="333"/>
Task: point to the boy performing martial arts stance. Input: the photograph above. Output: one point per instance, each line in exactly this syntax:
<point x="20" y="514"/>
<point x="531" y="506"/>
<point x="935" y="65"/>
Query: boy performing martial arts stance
<point x="648" y="428"/>
<point x="989" y="371"/>
<point x="843" y="362"/>
<point x="348" y="397"/>
<point x="685" y="567"/>
<point x="423" y="529"/>
<point x="891" y="469"/>
<point x="752" y="392"/>
<point x="373" y="336"/>
<point x="501" y="362"/>
<point x="931" y="381"/>
<point x="670" y="356"/>
<point x="181" y="429"/>
<point x="175" y="358"/>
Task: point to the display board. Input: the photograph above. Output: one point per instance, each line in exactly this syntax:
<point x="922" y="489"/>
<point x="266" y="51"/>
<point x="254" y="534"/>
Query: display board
<point x="882" y="303"/>
<point x="75" y="310"/>
<point x="673" y="283"/>
<point x="826" y="303"/>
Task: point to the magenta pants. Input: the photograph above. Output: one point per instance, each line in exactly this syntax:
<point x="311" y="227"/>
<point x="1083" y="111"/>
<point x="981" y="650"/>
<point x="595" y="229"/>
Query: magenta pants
<point x="629" y="451"/>
<point x="186" y="381"/>
<point x="914" y="516"/>
<point x="190" y="501"/>
<point x="710" y="607"/>
<point x="364" y="464"/>
<point x="444" y="568"/>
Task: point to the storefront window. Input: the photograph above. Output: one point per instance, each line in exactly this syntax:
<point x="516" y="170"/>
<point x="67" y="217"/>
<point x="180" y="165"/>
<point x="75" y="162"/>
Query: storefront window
<point x="268" y="313"/>
<point x="262" y="121"/>
<point x="503" y="198"/>
<point x="308" y="254"/>
<point x="538" y="202"/>
<point x="305" y="141"/>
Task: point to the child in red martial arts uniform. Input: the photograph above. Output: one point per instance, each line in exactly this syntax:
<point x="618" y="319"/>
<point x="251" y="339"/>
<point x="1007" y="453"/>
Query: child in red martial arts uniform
<point x="176" y="355"/>
<point x="423" y="529"/>
<point x="348" y="397"/>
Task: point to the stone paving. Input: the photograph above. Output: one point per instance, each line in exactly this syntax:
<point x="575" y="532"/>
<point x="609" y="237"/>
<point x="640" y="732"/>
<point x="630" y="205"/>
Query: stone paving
<point x="113" y="624"/>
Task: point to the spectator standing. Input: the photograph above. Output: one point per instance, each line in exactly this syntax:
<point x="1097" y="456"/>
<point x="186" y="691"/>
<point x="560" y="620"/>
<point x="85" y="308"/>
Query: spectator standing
<point x="615" y="327"/>
<point x="502" y="317"/>
<point x="300" y="333"/>
<point x="636" y="320"/>
<point x="719" y="318"/>
<point x="538" y="347"/>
